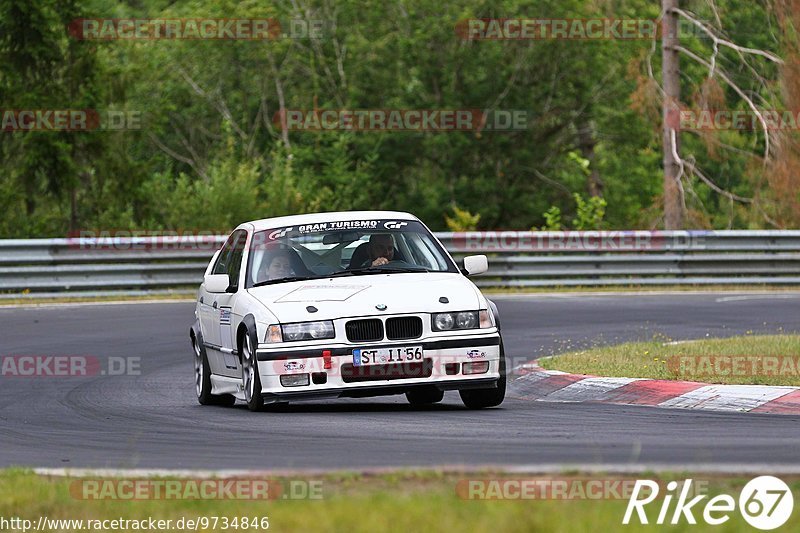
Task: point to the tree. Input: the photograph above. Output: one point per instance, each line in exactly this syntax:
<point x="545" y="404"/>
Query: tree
<point x="670" y="68"/>
<point x="725" y="56"/>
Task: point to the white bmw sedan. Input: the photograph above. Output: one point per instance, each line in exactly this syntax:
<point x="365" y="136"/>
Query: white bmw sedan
<point x="337" y="305"/>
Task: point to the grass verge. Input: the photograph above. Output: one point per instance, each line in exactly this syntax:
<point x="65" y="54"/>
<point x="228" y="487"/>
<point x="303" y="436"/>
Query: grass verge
<point x="739" y="288"/>
<point x="746" y="360"/>
<point x="67" y="299"/>
<point x="400" y="501"/>
<point x="31" y="299"/>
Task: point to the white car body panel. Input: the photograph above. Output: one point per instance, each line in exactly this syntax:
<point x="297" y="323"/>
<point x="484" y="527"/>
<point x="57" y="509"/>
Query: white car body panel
<point x="220" y="317"/>
<point x="358" y="296"/>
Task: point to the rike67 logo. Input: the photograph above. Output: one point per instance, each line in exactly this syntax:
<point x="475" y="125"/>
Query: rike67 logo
<point x="765" y="503"/>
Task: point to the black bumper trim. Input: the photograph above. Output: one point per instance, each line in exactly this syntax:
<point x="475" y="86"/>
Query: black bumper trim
<point x="379" y="390"/>
<point x="316" y="351"/>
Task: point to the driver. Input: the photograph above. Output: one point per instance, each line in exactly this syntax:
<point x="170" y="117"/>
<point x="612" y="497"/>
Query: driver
<point x="381" y="249"/>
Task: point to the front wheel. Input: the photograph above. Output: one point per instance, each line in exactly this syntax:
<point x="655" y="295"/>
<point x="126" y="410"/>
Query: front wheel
<point x="482" y="398"/>
<point x="202" y="379"/>
<point x="251" y="379"/>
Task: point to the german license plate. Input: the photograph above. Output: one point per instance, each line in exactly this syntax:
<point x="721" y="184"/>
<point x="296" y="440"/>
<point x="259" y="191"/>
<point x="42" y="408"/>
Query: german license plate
<point x="382" y="356"/>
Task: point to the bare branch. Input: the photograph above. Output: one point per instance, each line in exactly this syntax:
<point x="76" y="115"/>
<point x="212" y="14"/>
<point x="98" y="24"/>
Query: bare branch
<point x="550" y="181"/>
<point x="714" y="10"/>
<point x="738" y="91"/>
<point x="649" y="63"/>
<point x="281" y="100"/>
<point x="217" y="101"/>
<point x="694" y="170"/>
<point x="718" y="40"/>
<point x="511" y="80"/>
<point x="673" y="139"/>
<point x="172" y="153"/>
<point x="716" y="188"/>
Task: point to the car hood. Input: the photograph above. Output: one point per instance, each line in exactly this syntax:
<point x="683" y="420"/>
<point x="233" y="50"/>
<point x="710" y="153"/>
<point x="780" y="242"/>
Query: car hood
<point x="359" y="295"/>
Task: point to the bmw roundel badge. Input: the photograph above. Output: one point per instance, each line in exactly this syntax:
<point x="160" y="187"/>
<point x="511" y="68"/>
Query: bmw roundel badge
<point x="380" y="307"/>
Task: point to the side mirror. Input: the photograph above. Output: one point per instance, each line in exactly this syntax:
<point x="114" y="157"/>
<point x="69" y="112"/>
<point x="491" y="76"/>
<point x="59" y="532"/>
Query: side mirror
<point x="476" y="264"/>
<point x="216" y="283"/>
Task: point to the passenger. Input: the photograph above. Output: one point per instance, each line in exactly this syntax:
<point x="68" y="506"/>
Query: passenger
<point x="277" y="265"/>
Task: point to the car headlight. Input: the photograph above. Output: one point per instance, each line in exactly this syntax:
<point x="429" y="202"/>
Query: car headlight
<point x="468" y="320"/>
<point x="460" y="320"/>
<point x="308" y="331"/>
<point x="443" y="321"/>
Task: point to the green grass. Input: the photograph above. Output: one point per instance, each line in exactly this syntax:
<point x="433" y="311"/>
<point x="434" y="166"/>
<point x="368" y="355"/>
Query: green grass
<point x="737" y="288"/>
<point x="702" y="360"/>
<point x="352" y="502"/>
<point x="33" y="300"/>
<point x="190" y="294"/>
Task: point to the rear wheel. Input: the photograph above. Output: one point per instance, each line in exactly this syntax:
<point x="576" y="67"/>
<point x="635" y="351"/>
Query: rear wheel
<point x="424" y="396"/>
<point x="482" y="398"/>
<point x="251" y="379"/>
<point x="202" y="379"/>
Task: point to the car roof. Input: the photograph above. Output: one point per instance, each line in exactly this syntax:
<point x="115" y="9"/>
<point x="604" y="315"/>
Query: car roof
<point x="316" y="218"/>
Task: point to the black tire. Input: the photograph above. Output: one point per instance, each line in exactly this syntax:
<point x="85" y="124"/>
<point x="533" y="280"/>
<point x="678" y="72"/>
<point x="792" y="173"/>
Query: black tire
<point x="251" y="379"/>
<point x="202" y="379"/>
<point x="482" y="398"/>
<point x="424" y="396"/>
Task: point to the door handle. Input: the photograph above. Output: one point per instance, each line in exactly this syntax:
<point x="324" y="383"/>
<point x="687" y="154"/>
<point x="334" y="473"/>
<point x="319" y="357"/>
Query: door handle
<point x="214" y="305"/>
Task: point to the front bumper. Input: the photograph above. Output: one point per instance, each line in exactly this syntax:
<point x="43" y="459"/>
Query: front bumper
<point x="331" y="372"/>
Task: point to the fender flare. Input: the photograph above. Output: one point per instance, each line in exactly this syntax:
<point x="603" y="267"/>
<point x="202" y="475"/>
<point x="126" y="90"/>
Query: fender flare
<point x="198" y="335"/>
<point x="495" y="312"/>
<point x="249" y="322"/>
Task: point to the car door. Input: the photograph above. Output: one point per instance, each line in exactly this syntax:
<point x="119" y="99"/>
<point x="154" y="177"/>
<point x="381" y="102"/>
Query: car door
<point x="208" y="306"/>
<point x="225" y="303"/>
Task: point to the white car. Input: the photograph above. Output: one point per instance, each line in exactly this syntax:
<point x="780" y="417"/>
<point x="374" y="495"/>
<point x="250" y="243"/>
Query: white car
<point x="337" y="305"/>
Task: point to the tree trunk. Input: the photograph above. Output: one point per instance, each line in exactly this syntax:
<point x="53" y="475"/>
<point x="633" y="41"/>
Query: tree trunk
<point x="670" y="72"/>
<point x="587" y="143"/>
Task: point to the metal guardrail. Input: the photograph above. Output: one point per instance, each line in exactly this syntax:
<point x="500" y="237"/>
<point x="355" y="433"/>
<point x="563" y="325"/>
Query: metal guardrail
<point x="517" y="259"/>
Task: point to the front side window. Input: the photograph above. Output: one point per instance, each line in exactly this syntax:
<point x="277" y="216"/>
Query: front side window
<point x="230" y="257"/>
<point x="344" y="248"/>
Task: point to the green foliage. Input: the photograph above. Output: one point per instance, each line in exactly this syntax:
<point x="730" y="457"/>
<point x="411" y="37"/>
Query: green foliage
<point x="552" y="219"/>
<point x="209" y="154"/>
<point x="589" y="213"/>
<point x="462" y="220"/>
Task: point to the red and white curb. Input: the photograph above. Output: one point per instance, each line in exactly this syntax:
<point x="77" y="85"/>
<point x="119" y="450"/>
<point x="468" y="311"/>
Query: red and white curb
<point x="536" y="383"/>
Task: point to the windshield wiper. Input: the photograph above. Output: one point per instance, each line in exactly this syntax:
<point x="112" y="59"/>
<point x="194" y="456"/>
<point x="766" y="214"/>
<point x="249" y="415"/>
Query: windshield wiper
<point x="282" y="280"/>
<point x="376" y="270"/>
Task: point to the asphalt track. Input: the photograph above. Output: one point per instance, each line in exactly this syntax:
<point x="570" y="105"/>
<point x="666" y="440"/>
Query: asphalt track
<point x="152" y="420"/>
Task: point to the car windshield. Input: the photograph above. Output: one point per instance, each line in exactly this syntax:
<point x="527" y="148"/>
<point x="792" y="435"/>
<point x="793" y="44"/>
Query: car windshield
<point x="344" y="248"/>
